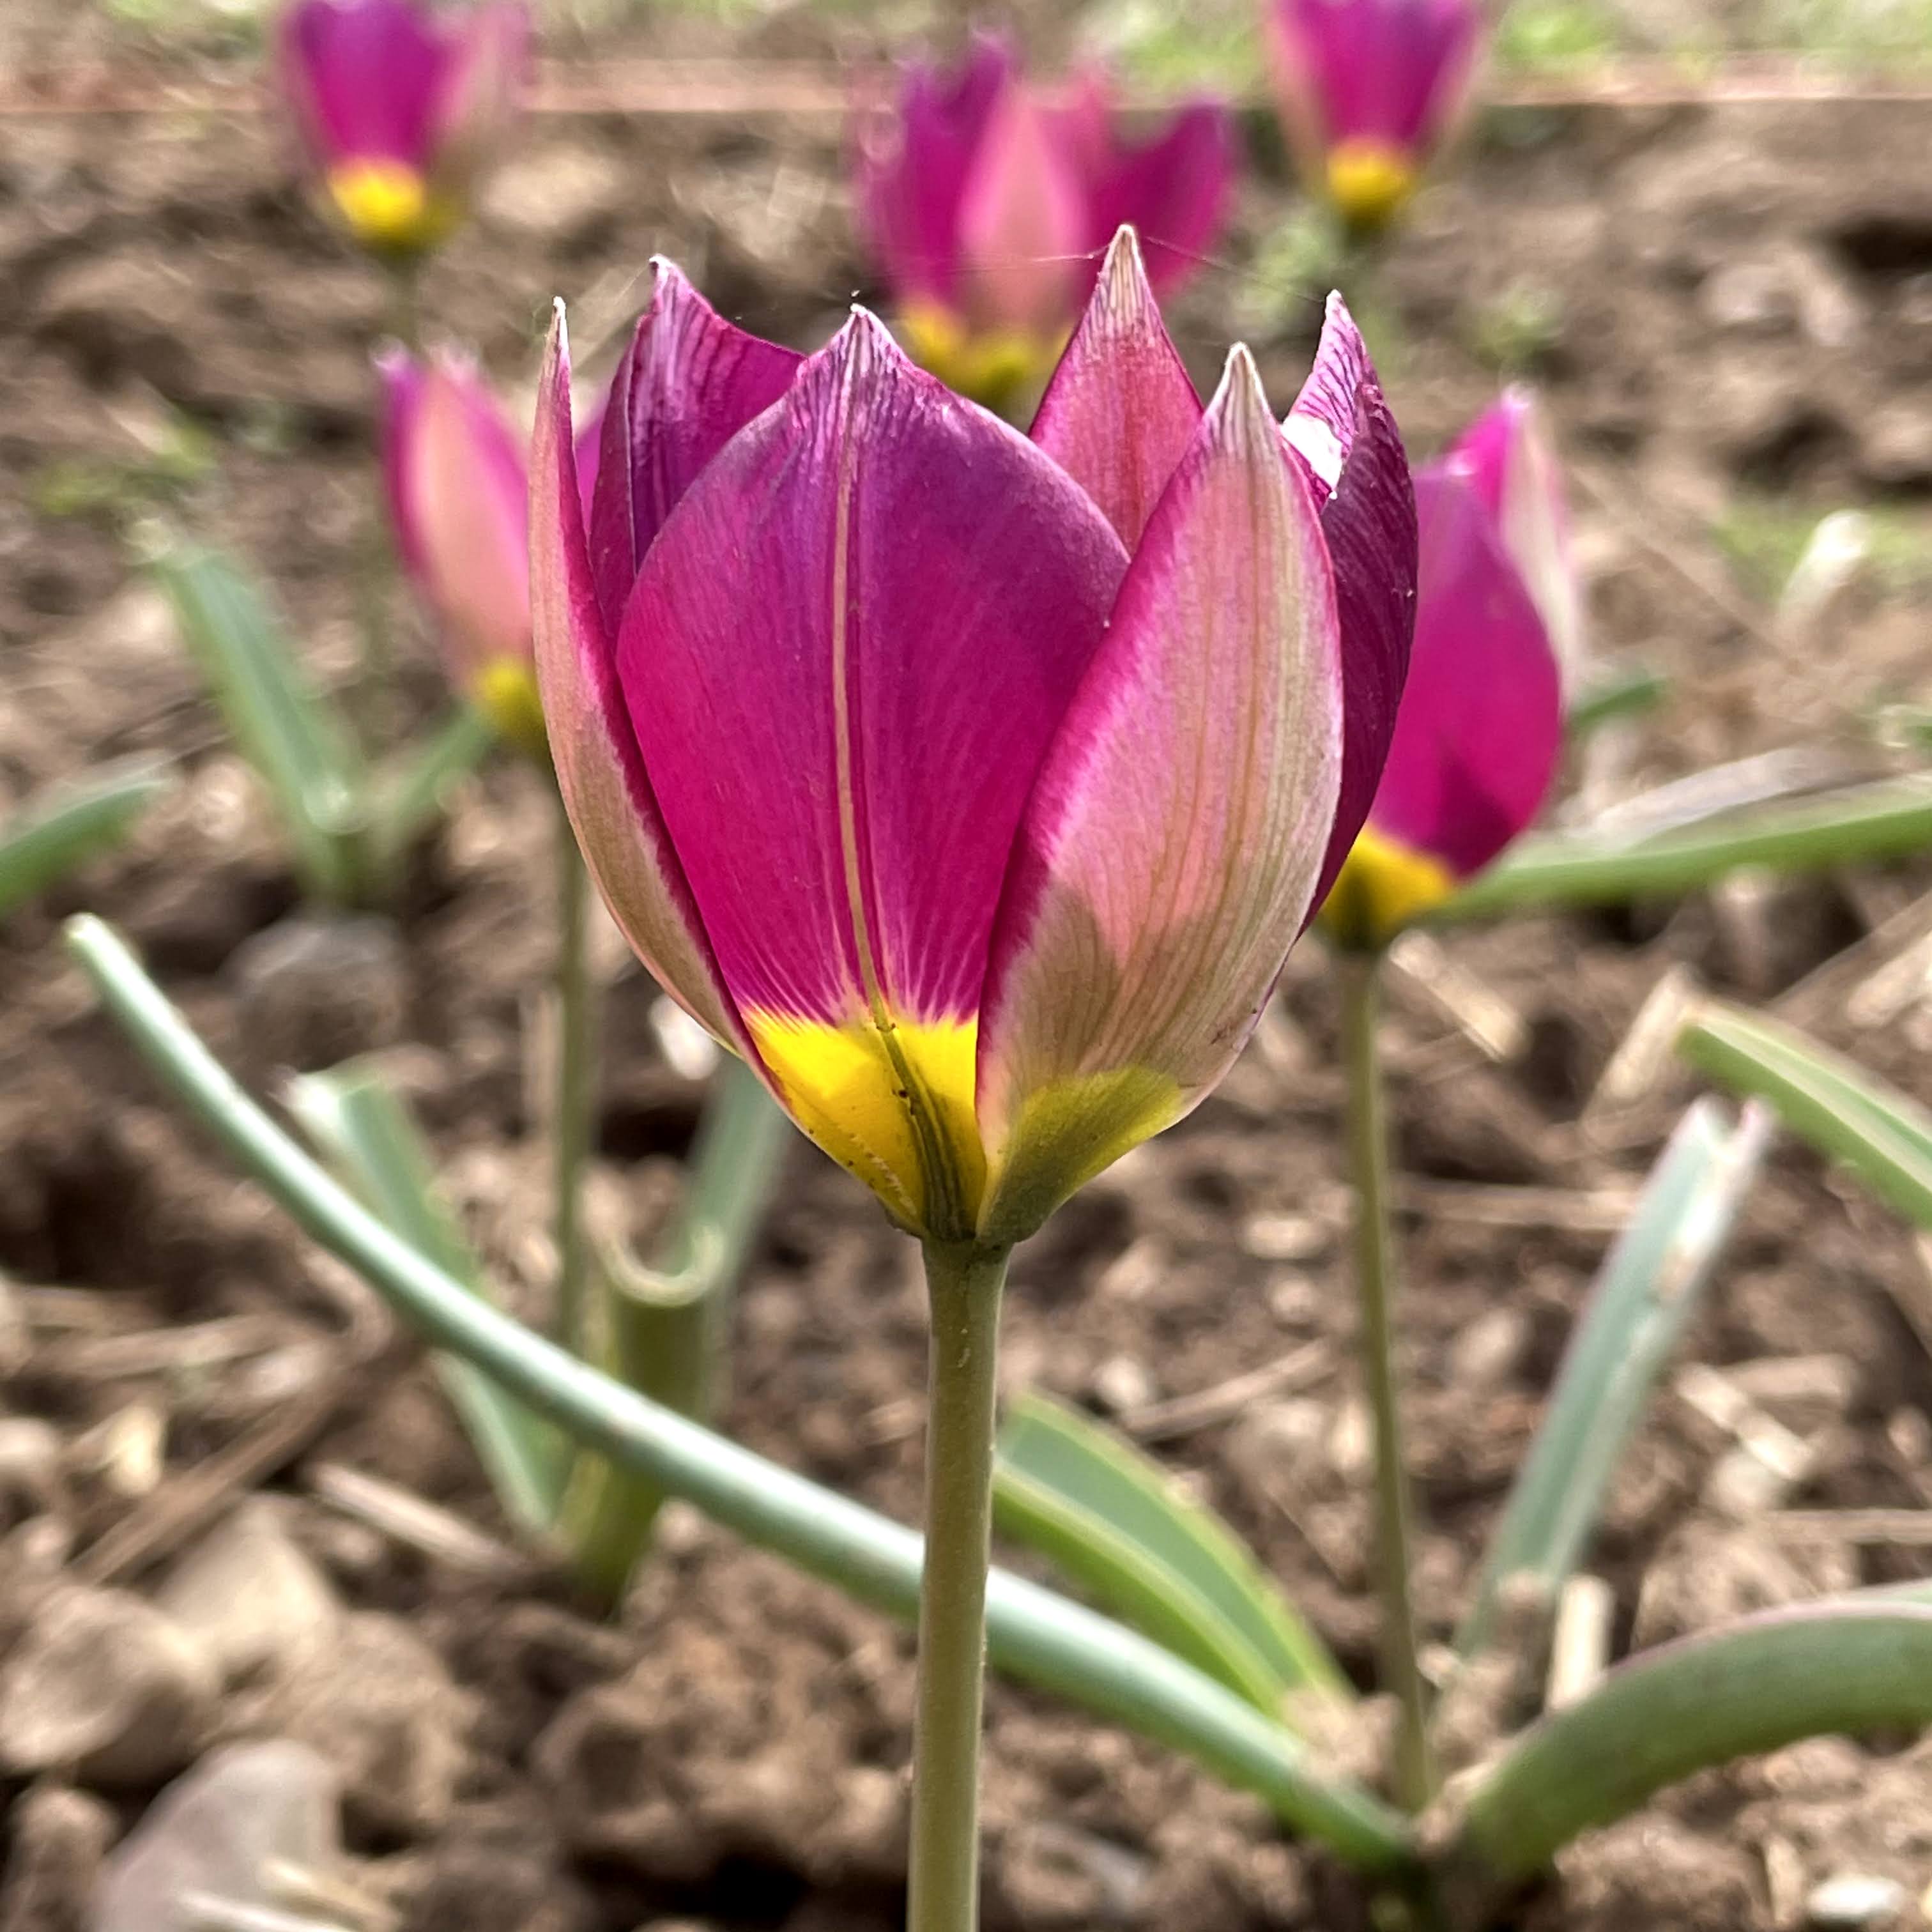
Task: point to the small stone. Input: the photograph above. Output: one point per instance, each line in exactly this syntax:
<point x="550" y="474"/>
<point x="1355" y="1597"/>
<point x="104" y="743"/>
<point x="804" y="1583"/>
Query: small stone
<point x="1486" y="1353"/>
<point x="314" y="990"/>
<point x="253" y="1599"/>
<point x="58" y="1838"/>
<point x="223" y="1832"/>
<point x="1286" y="1237"/>
<point x="30" y="1460"/>
<point x="106" y="1686"/>
<point x="1895" y="446"/>
<point x="381" y="1708"/>
<point x="1849" y="1901"/>
<point x="1121" y="1383"/>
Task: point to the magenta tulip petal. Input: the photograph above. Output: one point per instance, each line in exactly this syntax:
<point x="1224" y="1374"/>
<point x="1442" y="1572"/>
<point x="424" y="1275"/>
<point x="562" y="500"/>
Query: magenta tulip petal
<point x="688" y="383"/>
<point x="1341" y="429"/>
<point x="911" y="167"/>
<point x="365" y="76"/>
<point x="599" y="766"/>
<point x="458" y="501"/>
<point x="844" y="658"/>
<point x="1174" y="189"/>
<point x="1022" y="224"/>
<point x="1508" y="459"/>
<point x="1170" y="847"/>
<point x="1481" y="728"/>
<point x="1120" y="412"/>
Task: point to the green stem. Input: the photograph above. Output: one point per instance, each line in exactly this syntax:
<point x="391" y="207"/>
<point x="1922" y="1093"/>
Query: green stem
<point x="1368" y="1148"/>
<point x="963" y="1284"/>
<point x="1041" y="1638"/>
<point x="572" y="1123"/>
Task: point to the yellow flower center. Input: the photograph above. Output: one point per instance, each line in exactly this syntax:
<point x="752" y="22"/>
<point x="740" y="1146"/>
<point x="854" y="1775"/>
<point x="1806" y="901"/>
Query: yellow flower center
<point x="1383" y="885"/>
<point x="994" y="367"/>
<point x="1369" y="181"/>
<point x="506" y="692"/>
<point x="894" y="1104"/>
<point x="389" y="206"/>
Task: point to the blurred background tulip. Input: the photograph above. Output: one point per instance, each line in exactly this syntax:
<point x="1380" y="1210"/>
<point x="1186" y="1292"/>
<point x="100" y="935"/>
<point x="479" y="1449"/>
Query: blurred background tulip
<point x="1368" y="91"/>
<point x="399" y="107"/>
<point x="1508" y="458"/>
<point x="454" y="474"/>
<point x="1480" y="728"/>
<point x="986" y="207"/>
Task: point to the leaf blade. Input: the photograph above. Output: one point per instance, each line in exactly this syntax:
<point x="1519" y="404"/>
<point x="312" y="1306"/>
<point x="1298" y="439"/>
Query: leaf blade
<point x="1111" y="1517"/>
<point x="1648" y="1287"/>
<point x="69" y="822"/>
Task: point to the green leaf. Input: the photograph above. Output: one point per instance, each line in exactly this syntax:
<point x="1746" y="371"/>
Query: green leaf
<point x="68" y="823"/>
<point x="1113" y="1519"/>
<point x="1043" y="1639"/>
<point x="298" y="743"/>
<point x="1650" y="1285"/>
<point x="1886" y="820"/>
<point x="1750" y="1687"/>
<point x="366" y="1133"/>
<point x="1617" y="690"/>
<point x="1883" y="1135"/>
<point x="669" y="1326"/>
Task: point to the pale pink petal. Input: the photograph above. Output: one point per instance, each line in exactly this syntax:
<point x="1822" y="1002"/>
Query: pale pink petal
<point x="1170" y="849"/>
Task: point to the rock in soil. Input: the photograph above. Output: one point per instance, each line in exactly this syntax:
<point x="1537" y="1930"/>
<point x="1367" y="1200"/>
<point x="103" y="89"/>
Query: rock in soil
<point x="225" y="1831"/>
<point x="381" y="1707"/>
<point x="104" y="1685"/>
<point x="58" y="1838"/>
<point x="254" y="1600"/>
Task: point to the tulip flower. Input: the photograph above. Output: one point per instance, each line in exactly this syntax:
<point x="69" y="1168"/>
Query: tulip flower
<point x="987" y="208"/>
<point x="458" y="497"/>
<point x="973" y="788"/>
<point x="1480" y="728"/>
<point x="1508" y="459"/>
<point x="1369" y="90"/>
<point x="398" y="107"/>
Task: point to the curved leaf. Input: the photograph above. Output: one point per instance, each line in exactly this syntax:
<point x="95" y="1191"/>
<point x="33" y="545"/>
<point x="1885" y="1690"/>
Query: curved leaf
<point x="1754" y="1686"/>
<point x="68" y="823"/>
<point x="1883" y="1135"/>
<point x="1113" y="1519"/>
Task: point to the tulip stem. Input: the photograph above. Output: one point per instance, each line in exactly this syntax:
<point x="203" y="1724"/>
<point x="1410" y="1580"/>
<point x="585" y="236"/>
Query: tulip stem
<point x="571" y="1124"/>
<point x="963" y="1283"/>
<point x="1368" y="1148"/>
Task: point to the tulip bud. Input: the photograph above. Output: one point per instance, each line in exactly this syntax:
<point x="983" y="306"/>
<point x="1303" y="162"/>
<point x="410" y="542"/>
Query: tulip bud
<point x="458" y="500"/>
<point x="986" y="207"/>
<point x="398" y="108"/>
<point x="1480" y="728"/>
<point x="1368" y="91"/>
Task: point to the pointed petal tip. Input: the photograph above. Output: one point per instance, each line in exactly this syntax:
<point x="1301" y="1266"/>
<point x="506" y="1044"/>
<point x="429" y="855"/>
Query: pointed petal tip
<point x="1238" y="415"/>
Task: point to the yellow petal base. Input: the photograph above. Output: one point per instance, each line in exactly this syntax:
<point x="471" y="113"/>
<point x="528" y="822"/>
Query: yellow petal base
<point x="1383" y="885"/>
<point x="1065" y="1134"/>
<point x="389" y="207"/>
<point x="996" y="368"/>
<point x="894" y="1104"/>
<point x="506" y="692"/>
<point x="1368" y="181"/>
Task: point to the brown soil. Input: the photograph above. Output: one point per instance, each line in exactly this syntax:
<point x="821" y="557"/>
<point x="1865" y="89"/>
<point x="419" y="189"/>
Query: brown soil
<point x="1742" y="301"/>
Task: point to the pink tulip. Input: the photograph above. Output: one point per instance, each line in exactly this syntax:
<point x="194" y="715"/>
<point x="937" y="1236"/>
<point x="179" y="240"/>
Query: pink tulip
<point x="458" y="493"/>
<point x="399" y="107"/>
<point x="972" y="787"/>
<point x="1479" y="732"/>
<point x="1369" y="90"/>
<point x="987" y="207"/>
